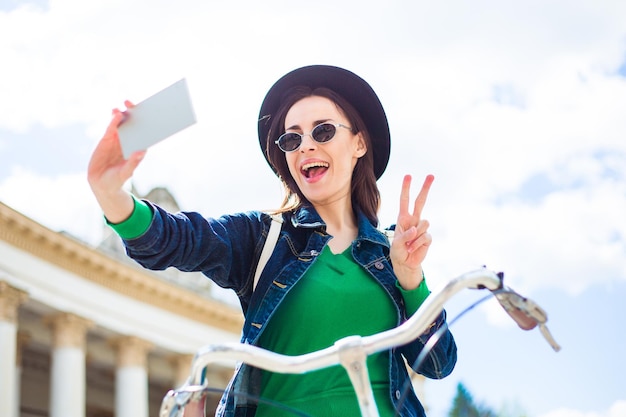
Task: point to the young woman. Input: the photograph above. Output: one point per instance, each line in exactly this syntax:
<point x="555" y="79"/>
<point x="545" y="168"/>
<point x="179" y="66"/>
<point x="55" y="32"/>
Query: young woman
<point x="333" y="273"/>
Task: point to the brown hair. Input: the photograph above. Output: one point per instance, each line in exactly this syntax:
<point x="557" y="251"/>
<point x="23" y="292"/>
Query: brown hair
<point x="364" y="190"/>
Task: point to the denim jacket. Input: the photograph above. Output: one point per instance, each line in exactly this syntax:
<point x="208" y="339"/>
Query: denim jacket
<point x="227" y="251"/>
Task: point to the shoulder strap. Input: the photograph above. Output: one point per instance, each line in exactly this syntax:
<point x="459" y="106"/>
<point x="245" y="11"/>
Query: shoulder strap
<point x="389" y="233"/>
<point x="268" y="247"/>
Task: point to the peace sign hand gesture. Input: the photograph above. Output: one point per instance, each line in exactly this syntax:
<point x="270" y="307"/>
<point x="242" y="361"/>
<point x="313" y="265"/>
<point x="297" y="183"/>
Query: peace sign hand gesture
<point x="411" y="238"/>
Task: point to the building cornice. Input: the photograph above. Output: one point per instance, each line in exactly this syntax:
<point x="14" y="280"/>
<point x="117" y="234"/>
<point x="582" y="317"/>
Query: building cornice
<point x="95" y="266"/>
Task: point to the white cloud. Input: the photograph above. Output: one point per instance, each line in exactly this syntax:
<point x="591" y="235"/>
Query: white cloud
<point x="436" y="68"/>
<point x="483" y="152"/>
<point x="63" y="203"/>
<point x="572" y="240"/>
<point x="618" y="409"/>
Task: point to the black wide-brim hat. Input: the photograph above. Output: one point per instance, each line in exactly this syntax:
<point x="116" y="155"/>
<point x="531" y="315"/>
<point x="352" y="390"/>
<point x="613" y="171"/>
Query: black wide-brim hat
<point x="348" y="85"/>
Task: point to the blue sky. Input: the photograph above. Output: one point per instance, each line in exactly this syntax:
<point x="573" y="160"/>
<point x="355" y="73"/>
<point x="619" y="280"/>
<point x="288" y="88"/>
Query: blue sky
<point x="516" y="108"/>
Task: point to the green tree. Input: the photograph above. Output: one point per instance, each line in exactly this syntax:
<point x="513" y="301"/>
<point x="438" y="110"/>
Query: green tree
<point x="512" y="409"/>
<point x="463" y="405"/>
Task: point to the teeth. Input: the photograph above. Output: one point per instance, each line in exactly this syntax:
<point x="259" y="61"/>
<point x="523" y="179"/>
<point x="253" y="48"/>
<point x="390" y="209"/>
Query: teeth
<point x="310" y="165"/>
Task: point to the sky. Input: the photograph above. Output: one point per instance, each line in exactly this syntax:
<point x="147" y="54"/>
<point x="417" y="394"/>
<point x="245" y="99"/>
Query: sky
<point x="516" y="108"/>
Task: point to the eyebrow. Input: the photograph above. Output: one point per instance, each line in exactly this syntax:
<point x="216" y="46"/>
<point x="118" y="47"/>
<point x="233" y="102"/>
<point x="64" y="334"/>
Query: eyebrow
<point x="315" y="123"/>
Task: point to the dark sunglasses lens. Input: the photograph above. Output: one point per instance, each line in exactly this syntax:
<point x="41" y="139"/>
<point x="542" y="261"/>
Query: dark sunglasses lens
<point x="289" y="142"/>
<point x="323" y="133"/>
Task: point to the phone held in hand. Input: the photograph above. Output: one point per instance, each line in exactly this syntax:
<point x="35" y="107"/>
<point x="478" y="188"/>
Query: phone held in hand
<point x="156" y="118"/>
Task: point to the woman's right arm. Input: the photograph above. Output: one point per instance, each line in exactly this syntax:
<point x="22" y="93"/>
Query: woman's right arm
<point x="108" y="172"/>
<point x="223" y="249"/>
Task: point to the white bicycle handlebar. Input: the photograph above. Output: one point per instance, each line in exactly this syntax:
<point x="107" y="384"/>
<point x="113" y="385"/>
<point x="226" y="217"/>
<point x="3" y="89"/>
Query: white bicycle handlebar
<point x="351" y="352"/>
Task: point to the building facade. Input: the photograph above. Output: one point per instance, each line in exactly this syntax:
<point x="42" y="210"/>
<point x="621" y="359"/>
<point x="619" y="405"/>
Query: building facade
<point x="85" y="332"/>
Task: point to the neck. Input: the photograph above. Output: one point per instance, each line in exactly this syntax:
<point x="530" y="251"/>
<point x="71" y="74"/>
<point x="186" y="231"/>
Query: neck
<point x="340" y="223"/>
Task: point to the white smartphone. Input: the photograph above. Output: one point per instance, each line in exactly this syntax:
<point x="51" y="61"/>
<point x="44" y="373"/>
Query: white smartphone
<point x="156" y="118"/>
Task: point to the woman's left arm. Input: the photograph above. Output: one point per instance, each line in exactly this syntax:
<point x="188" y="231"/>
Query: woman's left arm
<point x="410" y="245"/>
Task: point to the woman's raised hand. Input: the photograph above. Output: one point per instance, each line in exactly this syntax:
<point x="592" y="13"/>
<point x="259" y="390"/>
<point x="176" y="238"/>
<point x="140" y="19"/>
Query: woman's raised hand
<point x="411" y="238"/>
<point x="108" y="171"/>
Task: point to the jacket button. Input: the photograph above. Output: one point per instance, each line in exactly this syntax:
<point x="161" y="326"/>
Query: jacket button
<point x="379" y="265"/>
<point x="398" y="395"/>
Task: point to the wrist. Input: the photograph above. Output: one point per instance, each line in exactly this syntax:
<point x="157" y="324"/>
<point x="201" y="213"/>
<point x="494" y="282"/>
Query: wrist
<point x="117" y="206"/>
<point x="410" y="279"/>
<point x="413" y="299"/>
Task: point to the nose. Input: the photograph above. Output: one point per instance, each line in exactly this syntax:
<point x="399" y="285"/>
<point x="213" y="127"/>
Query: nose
<point x="308" y="142"/>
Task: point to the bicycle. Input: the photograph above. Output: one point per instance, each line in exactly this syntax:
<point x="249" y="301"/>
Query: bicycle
<point x="351" y="352"/>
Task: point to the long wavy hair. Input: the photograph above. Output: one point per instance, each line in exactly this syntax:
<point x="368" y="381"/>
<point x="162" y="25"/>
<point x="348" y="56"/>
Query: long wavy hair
<point x="364" y="193"/>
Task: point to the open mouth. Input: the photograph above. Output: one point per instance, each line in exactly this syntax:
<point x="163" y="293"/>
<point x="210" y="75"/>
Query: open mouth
<point x="314" y="169"/>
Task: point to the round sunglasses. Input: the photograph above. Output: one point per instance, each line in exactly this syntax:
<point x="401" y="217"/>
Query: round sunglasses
<point x="322" y="133"/>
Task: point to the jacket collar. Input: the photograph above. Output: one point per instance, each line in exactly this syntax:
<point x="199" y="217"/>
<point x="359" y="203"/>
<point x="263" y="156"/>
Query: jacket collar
<point x="367" y="231"/>
<point x="307" y="217"/>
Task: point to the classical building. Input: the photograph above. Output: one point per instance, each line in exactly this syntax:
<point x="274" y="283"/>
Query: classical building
<point x="86" y="332"/>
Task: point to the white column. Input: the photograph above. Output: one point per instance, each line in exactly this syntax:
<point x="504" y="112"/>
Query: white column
<point x="131" y="377"/>
<point x="22" y="339"/>
<point x="10" y="299"/>
<point x="67" y="373"/>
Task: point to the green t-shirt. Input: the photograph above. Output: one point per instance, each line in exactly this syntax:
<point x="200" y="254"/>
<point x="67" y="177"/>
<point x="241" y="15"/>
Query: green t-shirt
<point x="334" y="299"/>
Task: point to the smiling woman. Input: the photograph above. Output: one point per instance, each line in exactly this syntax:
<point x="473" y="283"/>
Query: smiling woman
<point x="325" y="134"/>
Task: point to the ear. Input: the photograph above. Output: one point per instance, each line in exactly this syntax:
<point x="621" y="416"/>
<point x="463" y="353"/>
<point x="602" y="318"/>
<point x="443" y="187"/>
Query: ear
<point x="361" y="147"/>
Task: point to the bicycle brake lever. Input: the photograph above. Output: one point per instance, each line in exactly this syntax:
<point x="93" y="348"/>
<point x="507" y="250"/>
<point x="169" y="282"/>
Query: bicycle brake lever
<point x="518" y="308"/>
<point x="548" y="336"/>
<point x="526" y="313"/>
